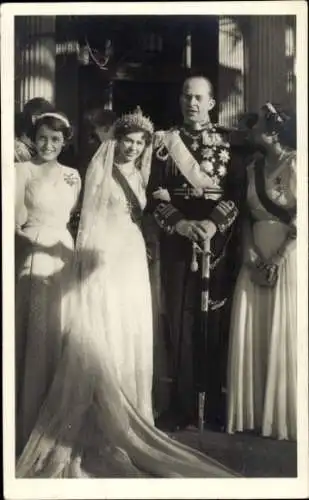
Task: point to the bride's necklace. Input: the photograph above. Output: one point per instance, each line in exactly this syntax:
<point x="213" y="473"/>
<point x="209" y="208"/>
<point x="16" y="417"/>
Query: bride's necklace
<point x="195" y="138"/>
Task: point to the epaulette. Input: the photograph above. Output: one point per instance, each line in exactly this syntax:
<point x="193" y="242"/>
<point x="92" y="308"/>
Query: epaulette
<point x="158" y="139"/>
<point x="159" y="147"/>
<point x="221" y="129"/>
<point x="159" y="136"/>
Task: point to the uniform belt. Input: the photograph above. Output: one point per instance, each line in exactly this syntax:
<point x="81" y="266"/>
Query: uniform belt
<point x="190" y="192"/>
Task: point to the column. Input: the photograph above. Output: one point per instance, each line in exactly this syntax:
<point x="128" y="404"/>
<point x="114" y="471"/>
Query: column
<point x="188" y="51"/>
<point x="290" y="52"/>
<point x="67" y="82"/>
<point x="231" y="98"/>
<point x="266" y="63"/>
<point x="35" y="58"/>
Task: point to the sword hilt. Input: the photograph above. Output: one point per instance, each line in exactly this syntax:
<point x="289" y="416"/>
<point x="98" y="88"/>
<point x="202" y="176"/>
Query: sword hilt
<point x="196" y="249"/>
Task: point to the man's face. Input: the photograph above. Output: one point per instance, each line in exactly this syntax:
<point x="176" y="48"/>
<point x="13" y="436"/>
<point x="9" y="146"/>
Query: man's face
<point x="196" y="100"/>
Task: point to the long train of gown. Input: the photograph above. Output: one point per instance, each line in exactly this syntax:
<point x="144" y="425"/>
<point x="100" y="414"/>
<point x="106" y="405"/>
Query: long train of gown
<point x="43" y="253"/>
<point x="263" y="340"/>
<point x="97" y="419"/>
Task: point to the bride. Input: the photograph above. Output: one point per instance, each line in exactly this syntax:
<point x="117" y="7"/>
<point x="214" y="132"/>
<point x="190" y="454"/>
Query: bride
<point x="97" y="419"/>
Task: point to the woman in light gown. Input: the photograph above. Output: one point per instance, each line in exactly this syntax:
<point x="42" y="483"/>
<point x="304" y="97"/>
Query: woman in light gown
<point x="97" y="419"/>
<point x="46" y="193"/>
<point x="263" y="338"/>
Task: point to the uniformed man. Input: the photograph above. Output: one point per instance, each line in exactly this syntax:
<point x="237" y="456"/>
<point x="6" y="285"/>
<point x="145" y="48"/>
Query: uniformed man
<point x="196" y="191"/>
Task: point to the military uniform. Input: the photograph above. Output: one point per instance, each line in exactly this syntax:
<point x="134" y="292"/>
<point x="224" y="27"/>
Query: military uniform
<point x="198" y="171"/>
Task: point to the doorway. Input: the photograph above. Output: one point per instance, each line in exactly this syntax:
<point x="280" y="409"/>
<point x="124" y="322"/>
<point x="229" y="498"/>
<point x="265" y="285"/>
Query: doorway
<point x="158" y="100"/>
<point x="144" y="73"/>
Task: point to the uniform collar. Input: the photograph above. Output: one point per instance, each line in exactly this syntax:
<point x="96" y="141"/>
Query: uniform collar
<point x="204" y="126"/>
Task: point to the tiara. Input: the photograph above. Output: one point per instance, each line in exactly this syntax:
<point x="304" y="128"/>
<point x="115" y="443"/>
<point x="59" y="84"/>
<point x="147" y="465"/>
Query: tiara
<point x="52" y="115"/>
<point x="137" y="119"/>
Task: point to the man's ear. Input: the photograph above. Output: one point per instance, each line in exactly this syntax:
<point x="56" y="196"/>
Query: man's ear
<point x="212" y="104"/>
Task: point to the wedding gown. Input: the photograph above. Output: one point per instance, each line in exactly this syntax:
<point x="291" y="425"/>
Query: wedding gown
<point x="262" y="390"/>
<point x="97" y="420"/>
<point x="44" y="248"/>
<point x="128" y="298"/>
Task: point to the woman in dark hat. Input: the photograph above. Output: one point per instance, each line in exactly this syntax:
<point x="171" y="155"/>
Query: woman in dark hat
<point x="263" y="340"/>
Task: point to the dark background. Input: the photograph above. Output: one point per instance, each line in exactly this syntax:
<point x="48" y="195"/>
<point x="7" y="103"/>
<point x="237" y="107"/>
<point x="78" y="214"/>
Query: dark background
<point x="154" y="82"/>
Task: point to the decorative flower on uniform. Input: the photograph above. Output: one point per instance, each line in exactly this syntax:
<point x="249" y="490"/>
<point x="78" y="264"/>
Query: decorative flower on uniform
<point x="207" y="140"/>
<point x="224" y="155"/>
<point x="222" y="170"/>
<point x="214" y="151"/>
<point x="208" y="153"/>
<point x="216" y="139"/>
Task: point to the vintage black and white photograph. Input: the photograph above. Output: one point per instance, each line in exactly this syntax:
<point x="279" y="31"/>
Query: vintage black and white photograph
<point x="155" y="213"/>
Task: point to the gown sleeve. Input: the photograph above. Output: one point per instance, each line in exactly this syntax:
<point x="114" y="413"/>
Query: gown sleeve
<point x="293" y="188"/>
<point x="290" y="242"/>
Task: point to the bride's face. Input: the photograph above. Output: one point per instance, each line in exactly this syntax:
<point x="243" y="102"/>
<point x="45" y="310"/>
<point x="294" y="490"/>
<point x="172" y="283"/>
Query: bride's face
<point x="131" y="146"/>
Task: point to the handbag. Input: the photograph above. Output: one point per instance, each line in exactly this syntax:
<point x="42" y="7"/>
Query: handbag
<point x="264" y="275"/>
